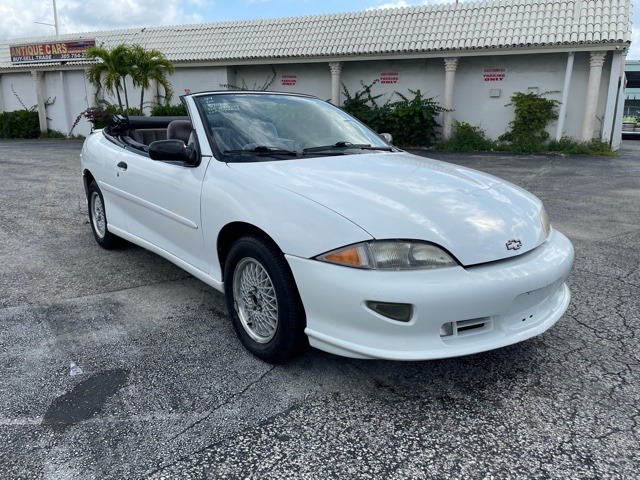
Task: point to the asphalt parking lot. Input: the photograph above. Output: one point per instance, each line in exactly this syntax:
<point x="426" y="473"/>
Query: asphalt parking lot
<point x="118" y="365"/>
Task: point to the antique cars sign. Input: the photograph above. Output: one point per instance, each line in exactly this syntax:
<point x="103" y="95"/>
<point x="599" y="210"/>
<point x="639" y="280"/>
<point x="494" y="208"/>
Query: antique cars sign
<point x="50" y="52"/>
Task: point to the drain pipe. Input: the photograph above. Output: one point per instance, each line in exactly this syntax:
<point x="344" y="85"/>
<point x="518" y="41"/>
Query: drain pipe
<point x="565" y="96"/>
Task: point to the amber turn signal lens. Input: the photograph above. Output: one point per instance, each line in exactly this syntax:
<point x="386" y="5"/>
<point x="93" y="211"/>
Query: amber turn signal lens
<point x="350" y="256"/>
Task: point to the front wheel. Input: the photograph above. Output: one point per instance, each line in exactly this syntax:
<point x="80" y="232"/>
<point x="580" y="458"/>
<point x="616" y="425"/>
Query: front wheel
<point x="98" y="218"/>
<point x="263" y="300"/>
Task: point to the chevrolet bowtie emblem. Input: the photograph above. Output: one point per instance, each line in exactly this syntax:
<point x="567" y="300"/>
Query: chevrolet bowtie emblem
<point x="514" y="244"/>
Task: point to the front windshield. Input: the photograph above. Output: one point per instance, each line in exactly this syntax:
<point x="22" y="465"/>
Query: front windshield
<point x="259" y="126"/>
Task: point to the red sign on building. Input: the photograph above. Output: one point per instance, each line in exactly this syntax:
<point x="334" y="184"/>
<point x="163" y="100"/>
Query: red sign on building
<point x="389" y="77"/>
<point x="288" y="79"/>
<point x="50" y="52"/>
<point x="494" y="74"/>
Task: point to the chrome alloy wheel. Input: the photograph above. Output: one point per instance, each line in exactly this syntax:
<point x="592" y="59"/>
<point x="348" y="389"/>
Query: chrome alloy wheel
<point x="98" y="218"/>
<point x="255" y="300"/>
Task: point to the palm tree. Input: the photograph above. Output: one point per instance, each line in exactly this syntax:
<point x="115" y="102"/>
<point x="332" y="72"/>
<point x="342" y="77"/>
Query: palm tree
<point x="115" y="65"/>
<point x="148" y="66"/>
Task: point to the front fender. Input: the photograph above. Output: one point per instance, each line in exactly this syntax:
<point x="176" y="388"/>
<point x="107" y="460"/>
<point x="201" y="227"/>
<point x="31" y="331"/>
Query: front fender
<point x="299" y="226"/>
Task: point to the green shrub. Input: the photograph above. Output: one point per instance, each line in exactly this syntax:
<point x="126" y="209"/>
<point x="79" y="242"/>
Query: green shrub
<point x="573" y="147"/>
<point x="533" y="113"/>
<point x="169" y="110"/>
<point x="53" y="134"/>
<point x="19" y="124"/>
<point x="467" y="138"/>
<point x="410" y="121"/>
<point x="364" y="107"/>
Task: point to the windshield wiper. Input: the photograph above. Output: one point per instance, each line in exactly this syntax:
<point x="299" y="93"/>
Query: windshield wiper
<point x="345" y="146"/>
<point x="262" y="150"/>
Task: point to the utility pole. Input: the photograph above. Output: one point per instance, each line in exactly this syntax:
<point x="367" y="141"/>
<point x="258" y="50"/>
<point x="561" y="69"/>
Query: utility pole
<point x="55" y="18"/>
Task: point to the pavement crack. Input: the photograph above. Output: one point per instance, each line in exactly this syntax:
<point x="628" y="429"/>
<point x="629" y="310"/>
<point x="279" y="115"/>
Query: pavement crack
<point x="229" y="400"/>
<point x="538" y="172"/>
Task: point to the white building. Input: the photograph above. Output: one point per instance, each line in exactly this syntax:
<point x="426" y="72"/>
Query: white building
<point x="470" y="57"/>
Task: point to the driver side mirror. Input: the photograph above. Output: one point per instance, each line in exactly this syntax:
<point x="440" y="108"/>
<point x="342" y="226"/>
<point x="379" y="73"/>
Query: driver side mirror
<point x="173" y="151"/>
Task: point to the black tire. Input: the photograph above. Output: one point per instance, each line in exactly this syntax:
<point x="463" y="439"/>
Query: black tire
<point x="98" y="219"/>
<point x="268" y="320"/>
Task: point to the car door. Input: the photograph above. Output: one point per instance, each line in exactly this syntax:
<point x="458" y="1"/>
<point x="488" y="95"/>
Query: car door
<point x="162" y="204"/>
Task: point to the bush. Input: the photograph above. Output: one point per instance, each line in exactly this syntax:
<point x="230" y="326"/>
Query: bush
<point x="533" y="113"/>
<point x="410" y="121"/>
<point x="19" y="124"/>
<point x="364" y="107"/>
<point x="467" y="138"/>
<point x="169" y="110"/>
<point x="572" y="147"/>
<point x="99" y="116"/>
<point x="53" y="134"/>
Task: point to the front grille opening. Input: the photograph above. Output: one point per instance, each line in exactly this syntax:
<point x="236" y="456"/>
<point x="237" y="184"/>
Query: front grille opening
<point x="463" y="328"/>
<point x="470" y="327"/>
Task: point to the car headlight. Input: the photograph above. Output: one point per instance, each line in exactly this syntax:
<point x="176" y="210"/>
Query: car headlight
<point x="390" y="255"/>
<point x="544" y="219"/>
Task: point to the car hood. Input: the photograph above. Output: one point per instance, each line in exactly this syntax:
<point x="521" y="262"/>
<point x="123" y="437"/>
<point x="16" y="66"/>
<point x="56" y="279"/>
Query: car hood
<point x="402" y="196"/>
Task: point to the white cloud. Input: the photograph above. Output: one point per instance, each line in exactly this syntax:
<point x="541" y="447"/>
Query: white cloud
<point x="634" y="50"/>
<point x="91" y="15"/>
<point x="397" y="4"/>
<point x="19" y="22"/>
<point x="403" y="3"/>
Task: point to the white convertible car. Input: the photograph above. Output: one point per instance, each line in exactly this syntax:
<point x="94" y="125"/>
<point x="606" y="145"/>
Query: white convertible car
<point x="316" y="228"/>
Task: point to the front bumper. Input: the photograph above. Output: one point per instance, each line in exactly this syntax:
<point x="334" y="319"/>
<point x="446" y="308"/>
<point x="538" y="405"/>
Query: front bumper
<point x="488" y="306"/>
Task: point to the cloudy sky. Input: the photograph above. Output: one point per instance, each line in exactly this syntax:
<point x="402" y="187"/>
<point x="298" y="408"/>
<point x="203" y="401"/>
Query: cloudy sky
<point x="75" y="16"/>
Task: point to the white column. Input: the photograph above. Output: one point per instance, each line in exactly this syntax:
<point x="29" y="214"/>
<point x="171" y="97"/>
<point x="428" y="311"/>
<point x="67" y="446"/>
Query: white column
<point x="596" y="62"/>
<point x="65" y="104"/>
<point x="611" y="117"/>
<point x="616" y="135"/>
<point x="336" y="69"/>
<point x="40" y="96"/>
<point x="450" y="66"/>
<point x="565" y="96"/>
<point x="1" y="95"/>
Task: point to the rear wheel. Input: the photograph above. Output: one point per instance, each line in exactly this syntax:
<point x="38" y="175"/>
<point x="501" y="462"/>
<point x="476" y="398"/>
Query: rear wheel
<point x="98" y="218"/>
<point x="263" y="300"/>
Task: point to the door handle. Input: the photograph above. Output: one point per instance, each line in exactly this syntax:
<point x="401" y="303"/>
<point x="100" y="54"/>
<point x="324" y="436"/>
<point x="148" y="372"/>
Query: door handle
<point x="122" y="165"/>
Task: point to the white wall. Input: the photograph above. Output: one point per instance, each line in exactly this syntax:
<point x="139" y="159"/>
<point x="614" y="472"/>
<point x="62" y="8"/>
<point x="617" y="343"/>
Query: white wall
<point x="196" y="79"/>
<point x="24" y="86"/>
<point x="309" y="78"/>
<point x="421" y="74"/>
<point x="472" y="100"/>
<point x="546" y="72"/>
<point x="70" y="94"/>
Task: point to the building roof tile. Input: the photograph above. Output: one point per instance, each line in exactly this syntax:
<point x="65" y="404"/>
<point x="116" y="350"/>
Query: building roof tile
<point x="451" y="27"/>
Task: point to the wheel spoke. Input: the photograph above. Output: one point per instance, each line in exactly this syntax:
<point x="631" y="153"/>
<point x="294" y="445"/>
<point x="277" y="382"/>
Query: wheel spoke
<point x="256" y="301"/>
<point x="97" y="215"/>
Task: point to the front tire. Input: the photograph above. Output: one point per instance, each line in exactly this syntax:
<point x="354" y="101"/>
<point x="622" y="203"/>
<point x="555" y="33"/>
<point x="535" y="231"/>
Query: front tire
<point x="263" y="301"/>
<point x="98" y="219"/>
